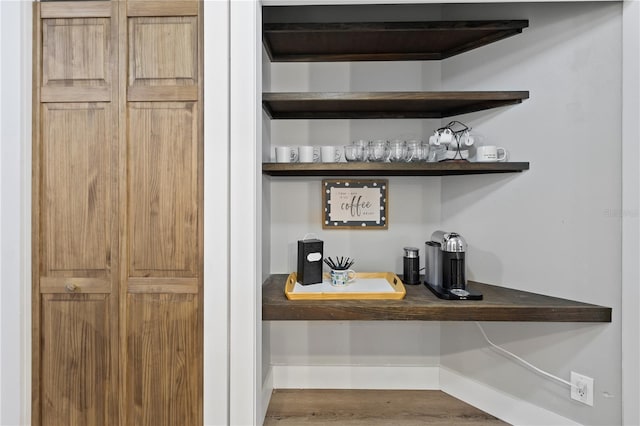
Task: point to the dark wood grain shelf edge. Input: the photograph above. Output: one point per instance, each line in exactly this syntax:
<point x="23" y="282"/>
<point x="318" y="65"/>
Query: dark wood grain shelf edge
<point x="387" y="105"/>
<point x="499" y="304"/>
<point x="348" y="41"/>
<point x="349" y="27"/>
<point x="447" y="168"/>
<point x="484" y="95"/>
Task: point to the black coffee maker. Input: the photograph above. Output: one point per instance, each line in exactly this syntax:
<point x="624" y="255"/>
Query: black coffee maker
<point x="446" y="268"/>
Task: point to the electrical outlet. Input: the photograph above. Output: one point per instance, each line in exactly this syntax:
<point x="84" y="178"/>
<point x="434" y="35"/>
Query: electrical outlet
<point x="582" y="388"/>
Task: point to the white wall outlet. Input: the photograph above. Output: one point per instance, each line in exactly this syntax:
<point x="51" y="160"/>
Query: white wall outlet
<point x="582" y="388"/>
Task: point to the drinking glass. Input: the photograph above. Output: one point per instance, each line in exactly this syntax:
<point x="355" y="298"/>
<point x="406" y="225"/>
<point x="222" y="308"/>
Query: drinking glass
<point x="378" y="150"/>
<point x="365" y="148"/>
<point x="354" y="153"/>
<point x="397" y="151"/>
<point x="416" y="151"/>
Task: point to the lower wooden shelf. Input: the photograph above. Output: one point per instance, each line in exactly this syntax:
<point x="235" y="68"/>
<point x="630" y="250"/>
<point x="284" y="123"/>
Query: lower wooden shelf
<point x="372" y="408"/>
<point x="499" y="304"/>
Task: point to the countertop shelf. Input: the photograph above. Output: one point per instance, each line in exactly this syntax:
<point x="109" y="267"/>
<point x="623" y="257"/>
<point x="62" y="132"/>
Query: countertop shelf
<point x="499" y="304"/>
<point x="382" y="41"/>
<point x="376" y="105"/>
<point x="445" y="168"/>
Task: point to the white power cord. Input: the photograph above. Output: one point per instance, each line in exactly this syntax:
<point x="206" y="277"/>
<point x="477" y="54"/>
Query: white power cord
<point x="528" y="364"/>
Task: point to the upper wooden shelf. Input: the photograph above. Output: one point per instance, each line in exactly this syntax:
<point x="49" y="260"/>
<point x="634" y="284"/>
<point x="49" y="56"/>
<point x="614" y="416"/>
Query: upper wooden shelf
<point x="445" y="168"/>
<point x="499" y="304"/>
<point x="375" y="105"/>
<point x="381" y="41"/>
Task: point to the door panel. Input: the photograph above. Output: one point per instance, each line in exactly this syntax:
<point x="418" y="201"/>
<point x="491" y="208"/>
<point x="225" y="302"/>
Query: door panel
<point x="76" y="59"/>
<point x="163" y="337"/>
<point x="76" y="190"/>
<point x="164" y="365"/>
<point x="75" y="363"/>
<point x="75" y="222"/>
<point x="163" y="189"/>
<point x="162" y="51"/>
<point x="163" y="58"/>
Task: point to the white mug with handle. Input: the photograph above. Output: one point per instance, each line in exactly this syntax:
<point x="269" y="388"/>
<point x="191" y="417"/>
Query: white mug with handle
<point x="491" y="153"/>
<point x="330" y="154"/>
<point x="307" y="154"/>
<point x="286" y="154"/>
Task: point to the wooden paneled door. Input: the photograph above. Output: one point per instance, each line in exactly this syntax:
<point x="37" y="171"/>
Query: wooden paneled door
<point x="162" y="257"/>
<point x="117" y="213"/>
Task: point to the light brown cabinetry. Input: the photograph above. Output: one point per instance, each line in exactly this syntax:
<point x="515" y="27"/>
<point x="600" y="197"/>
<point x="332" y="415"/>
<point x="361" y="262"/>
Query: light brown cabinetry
<point x="117" y="213"/>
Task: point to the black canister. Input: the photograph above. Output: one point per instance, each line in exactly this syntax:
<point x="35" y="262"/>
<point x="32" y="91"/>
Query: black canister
<point x="310" y="255"/>
<point x="411" y="265"/>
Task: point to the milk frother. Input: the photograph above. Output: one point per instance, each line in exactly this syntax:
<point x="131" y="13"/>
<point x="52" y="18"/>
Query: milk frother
<point x="411" y="265"/>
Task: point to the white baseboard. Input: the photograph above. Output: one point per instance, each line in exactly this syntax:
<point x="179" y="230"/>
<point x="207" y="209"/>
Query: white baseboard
<point x="355" y="377"/>
<point x="267" y="390"/>
<point x="497" y="403"/>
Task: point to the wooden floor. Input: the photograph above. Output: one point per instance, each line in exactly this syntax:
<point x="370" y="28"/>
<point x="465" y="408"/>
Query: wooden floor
<point x="371" y="407"/>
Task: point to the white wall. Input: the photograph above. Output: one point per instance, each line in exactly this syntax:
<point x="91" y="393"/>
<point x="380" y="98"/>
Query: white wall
<point x="216" y="224"/>
<point x="15" y="144"/>
<point x="630" y="213"/>
<point x="267" y="386"/>
<point x="554" y="229"/>
<point x="245" y="198"/>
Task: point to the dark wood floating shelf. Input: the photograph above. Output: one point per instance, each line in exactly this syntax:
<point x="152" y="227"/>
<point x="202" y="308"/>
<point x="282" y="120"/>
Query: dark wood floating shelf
<point x="381" y="41"/>
<point x="499" y="304"/>
<point x="375" y="105"/>
<point x="445" y="168"/>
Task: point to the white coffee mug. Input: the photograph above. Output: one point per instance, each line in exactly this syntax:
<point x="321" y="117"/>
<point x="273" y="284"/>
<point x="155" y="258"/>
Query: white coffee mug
<point x="307" y="154"/>
<point x="286" y="154"/>
<point x="490" y="153"/>
<point x="329" y="154"/>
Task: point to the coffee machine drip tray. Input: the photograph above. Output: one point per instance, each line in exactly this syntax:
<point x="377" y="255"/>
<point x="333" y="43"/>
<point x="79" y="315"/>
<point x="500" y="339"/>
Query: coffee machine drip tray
<point x="453" y="293"/>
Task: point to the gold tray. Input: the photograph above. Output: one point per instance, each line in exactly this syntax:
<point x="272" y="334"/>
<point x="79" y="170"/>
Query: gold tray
<point x="349" y="292"/>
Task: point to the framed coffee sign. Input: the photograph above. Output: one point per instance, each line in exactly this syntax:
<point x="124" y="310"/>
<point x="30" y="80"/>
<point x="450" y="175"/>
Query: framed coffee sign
<point x="355" y="204"/>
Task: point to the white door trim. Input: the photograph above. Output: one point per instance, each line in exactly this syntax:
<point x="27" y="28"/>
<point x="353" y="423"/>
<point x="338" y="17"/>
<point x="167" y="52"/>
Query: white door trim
<point x="630" y="212"/>
<point x="245" y="199"/>
<point x="216" y="213"/>
<point x="26" y="43"/>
